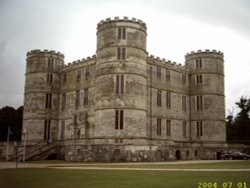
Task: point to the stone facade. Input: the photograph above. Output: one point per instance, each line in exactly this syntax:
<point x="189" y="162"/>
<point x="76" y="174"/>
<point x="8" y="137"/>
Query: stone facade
<point x="124" y="105"/>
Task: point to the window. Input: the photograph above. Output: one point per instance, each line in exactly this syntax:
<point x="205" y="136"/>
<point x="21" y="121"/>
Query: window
<point x="77" y="102"/>
<point x="199" y="79"/>
<point x="119" y="119"/>
<point x="78" y="75"/>
<point x="199" y="102"/>
<point x="184" y="103"/>
<point x="168" y="99"/>
<point x="121" y="33"/>
<point x="50" y="63"/>
<point x="64" y="78"/>
<point x="86" y="96"/>
<point x="158" y="97"/>
<point x="48" y="100"/>
<point x="198" y="63"/>
<point x="199" y="128"/>
<point x="184" y="79"/>
<point x="86" y="72"/>
<point x="49" y="78"/>
<point x="63" y="101"/>
<point x="46" y="134"/>
<point x="167" y="75"/>
<point x="168" y="127"/>
<point x="118" y="140"/>
<point x="119" y="89"/>
<point x="184" y="128"/>
<point x="158" y="73"/>
<point x="121" y="53"/>
<point x="62" y="135"/>
<point x="158" y="128"/>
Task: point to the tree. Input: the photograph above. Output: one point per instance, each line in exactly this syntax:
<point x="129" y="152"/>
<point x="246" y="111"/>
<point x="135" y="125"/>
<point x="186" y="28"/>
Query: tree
<point x="9" y="117"/>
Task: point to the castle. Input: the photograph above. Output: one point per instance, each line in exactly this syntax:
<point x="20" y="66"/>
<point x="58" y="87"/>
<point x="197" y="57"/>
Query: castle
<point x="124" y="105"/>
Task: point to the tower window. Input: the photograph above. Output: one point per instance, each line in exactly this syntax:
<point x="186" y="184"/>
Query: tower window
<point x="167" y="75"/>
<point x="49" y="78"/>
<point x="184" y="79"/>
<point x="168" y="127"/>
<point x="184" y="128"/>
<point x="121" y="53"/>
<point x="46" y="134"/>
<point x="77" y="102"/>
<point x="78" y="75"/>
<point x="199" y="79"/>
<point x="86" y="97"/>
<point x="199" y="102"/>
<point x="119" y="89"/>
<point x="64" y="78"/>
<point x="168" y="99"/>
<point x="119" y="119"/>
<point x="199" y="128"/>
<point x="158" y="73"/>
<point x="158" y="97"/>
<point x="198" y="63"/>
<point x="121" y="33"/>
<point x="50" y="63"/>
<point x="184" y="103"/>
<point x="63" y="101"/>
<point x="158" y="128"/>
<point x="48" y="100"/>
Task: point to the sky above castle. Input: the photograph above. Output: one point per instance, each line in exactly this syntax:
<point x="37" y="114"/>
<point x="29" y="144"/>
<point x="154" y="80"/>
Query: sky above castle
<point x="175" y="27"/>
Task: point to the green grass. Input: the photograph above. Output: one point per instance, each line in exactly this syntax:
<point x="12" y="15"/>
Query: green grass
<point x="215" y="165"/>
<point x="53" y="178"/>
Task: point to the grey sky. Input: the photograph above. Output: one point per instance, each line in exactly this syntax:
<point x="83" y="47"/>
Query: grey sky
<point x="174" y="28"/>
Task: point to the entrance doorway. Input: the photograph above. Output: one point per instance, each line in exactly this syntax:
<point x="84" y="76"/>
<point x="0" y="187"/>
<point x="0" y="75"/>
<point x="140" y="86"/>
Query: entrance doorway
<point x="178" y="155"/>
<point x="117" y="155"/>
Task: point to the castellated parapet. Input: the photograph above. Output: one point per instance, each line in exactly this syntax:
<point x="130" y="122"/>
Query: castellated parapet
<point x="122" y="104"/>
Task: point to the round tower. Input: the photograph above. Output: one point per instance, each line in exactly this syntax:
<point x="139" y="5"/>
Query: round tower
<point x="41" y="96"/>
<point x="121" y="80"/>
<point x="207" y="108"/>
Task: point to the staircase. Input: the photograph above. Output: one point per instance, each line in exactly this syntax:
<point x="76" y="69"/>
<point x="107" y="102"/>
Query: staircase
<point x="39" y="151"/>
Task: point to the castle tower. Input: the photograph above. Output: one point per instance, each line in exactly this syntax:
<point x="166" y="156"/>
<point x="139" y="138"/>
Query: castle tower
<point x="120" y="93"/>
<point x="207" y="113"/>
<point x="41" y="97"/>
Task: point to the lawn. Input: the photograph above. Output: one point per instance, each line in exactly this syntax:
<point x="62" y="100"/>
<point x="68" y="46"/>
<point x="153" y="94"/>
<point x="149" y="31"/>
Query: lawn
<point x="53" y="178"/>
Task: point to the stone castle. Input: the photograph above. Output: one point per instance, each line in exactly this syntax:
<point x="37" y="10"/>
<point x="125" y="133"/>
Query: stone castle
<point x="122" y="104"/>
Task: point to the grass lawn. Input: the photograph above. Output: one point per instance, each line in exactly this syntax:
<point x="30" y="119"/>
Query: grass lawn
<point x="53" y="178"/>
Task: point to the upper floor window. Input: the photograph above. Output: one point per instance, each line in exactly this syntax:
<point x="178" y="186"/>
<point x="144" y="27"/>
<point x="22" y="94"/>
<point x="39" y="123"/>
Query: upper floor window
<point x="62" y="130"/>
<point x="47" y="128"/>
<point x="158" y="73"/>
<point x="49" y="78"/>
<point x="48" y="100"/>
<point x="168" y="127"/>
<point x="86" y="71"/>
<point x="64" y="78"/>
<point x="86" y="97"/>
<point x="199" y="102"/>
<point x="121" y="33"/>
<point x="119" y="89"/>
<point x="78" y="75"/>
<point x="158" y="97"/>
<point x="184" y="128"/>
<point x="167" y="75"/>
<point x="199" y="79"/>
<point x="198" y="63"/>
<point x="184" y="103"/>
<point x="77" y="102"/>
<point x="119" y="119"/>
<point x="199" y="128"/>
<point x="63" y="101"/>
<point x="168" y="99"/>
<point x="121" y="53"/>
<point x="50" y="63"/>
<point x="158" y="128"/>
<point x="184" y="79"/>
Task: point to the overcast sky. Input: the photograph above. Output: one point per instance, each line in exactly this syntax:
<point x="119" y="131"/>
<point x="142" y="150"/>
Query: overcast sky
<point x="175" y="27"/>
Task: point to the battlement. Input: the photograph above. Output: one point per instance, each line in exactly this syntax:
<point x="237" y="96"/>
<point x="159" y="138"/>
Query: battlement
<point x="49" y="52"/>
<point x="205" y="52"/>
<point x="124" y="19"/>
<point x="80" y="61"/>
<point x="170" y="63"/>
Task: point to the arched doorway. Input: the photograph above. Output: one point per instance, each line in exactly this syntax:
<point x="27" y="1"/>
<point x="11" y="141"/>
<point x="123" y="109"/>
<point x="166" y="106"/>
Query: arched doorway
<point x="117" y="155"/>
<point x="178" y="155"/>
